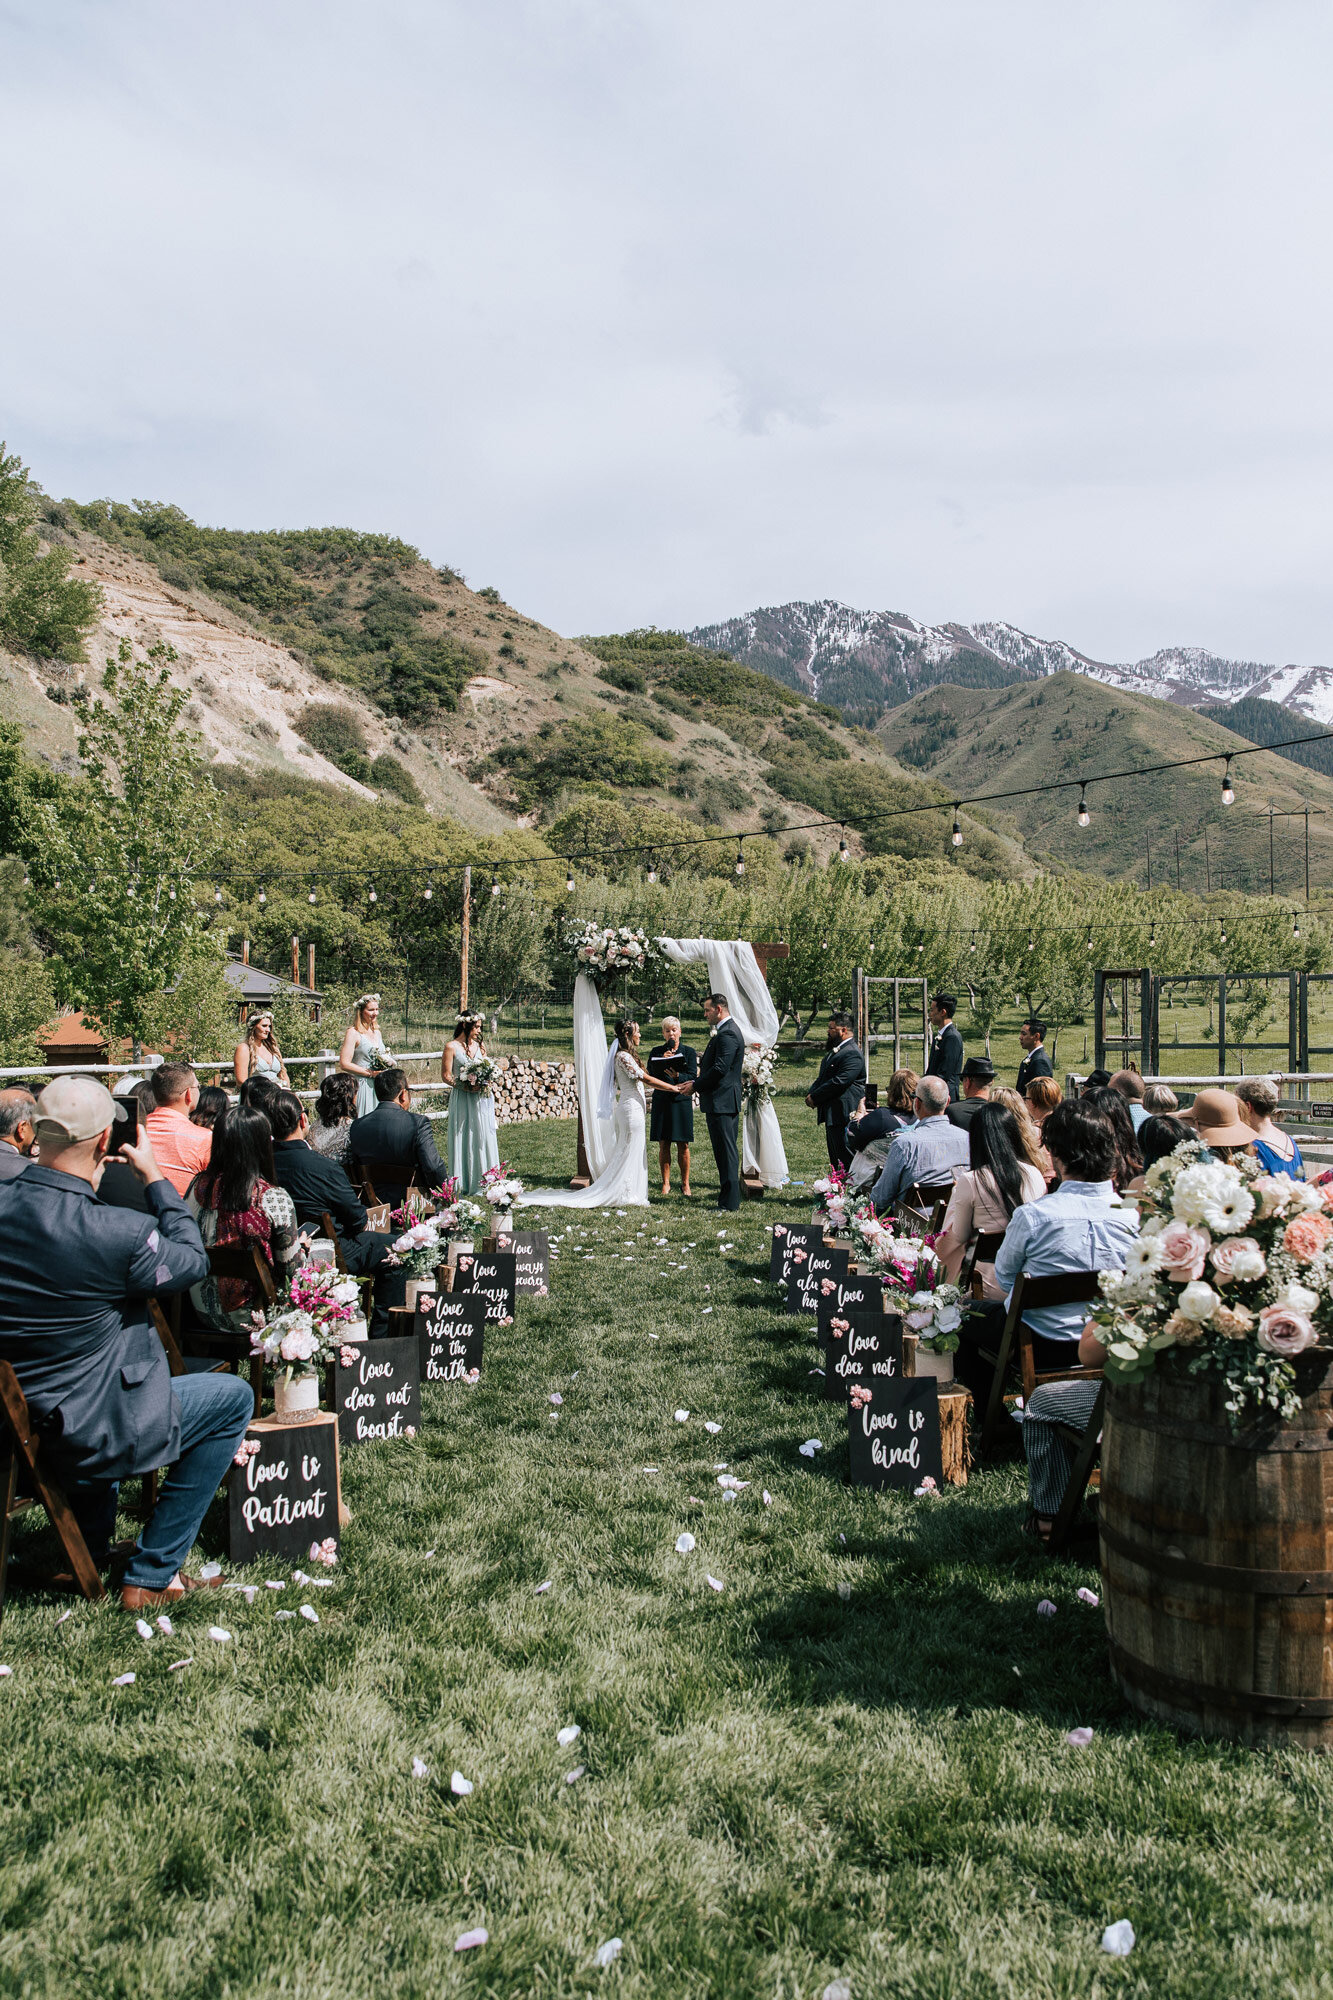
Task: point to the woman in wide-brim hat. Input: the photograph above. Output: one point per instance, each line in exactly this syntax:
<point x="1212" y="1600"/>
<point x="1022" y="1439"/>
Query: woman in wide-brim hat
<point x="1216" y="1117"/>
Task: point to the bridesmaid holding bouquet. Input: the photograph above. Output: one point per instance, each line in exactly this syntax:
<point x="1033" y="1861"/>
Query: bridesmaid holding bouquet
<point x="473" y="1145"/>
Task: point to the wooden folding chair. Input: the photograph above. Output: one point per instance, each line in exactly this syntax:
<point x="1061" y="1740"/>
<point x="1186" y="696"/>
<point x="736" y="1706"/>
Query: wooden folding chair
<point x="1087" y="1450"/>
<point x="326" y="1224"/>
<point x="921" y="1210"/>
<point x="982" y="1248"/>
<point x="234" y="1260"/>
<point x="19" y="1445"/>
<point x="1067" y="1288"/>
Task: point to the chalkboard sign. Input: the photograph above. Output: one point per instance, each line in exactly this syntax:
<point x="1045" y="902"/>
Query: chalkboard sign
<point x="493" y="1274"/>
<point x="285" y="1496"/>
<point x="789" y="1236"/>
<point x="857" y="1292"/>
<point x="379" y="1396"/>
<point x="894" y="1434"/>
<point x="808" y="1272"/>
<point x="862" y="1347"/>
<point x="532" y="1262"/>
<point x="449" y="1330"/>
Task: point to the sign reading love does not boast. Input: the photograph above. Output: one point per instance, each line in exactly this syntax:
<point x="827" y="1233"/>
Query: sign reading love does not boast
<point x="379" y="1396"/>
<point x="450" y="1327"/>
<point x="493" y="1276"/>
<point x="808" y="1271"/>
<point x="862" y="1347"/>
<point x="285" y="1496"/>
<point x="787" y="1237"/>
<point x="857" y="1292"/>
<point x="894" y="1434"/>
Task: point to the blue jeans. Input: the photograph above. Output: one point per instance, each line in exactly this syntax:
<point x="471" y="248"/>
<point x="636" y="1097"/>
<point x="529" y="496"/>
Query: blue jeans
<point x="215" y="1410"/>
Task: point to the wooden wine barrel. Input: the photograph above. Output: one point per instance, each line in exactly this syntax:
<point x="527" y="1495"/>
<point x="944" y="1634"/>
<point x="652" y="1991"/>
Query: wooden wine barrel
<point x="1217" y="1559"/>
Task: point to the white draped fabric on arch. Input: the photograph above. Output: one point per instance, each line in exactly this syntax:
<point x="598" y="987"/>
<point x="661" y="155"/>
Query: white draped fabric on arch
<point x="734" y="970"/>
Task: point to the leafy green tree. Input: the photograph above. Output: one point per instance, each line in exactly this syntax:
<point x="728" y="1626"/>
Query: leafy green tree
<point x="27" y="999"/>
<point x="42" y="609"/>
<point x="118" y="853"/>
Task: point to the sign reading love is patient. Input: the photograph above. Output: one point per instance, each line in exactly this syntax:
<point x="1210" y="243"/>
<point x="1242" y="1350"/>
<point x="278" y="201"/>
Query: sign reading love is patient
<point x="285" y="1494"/>
<point x="450" y="1327"/>
<point x="862" y="1347"/>
<point x="893" y="1432"/>
<point x="493" y="1275"/>
<point x="378" y="1395"/>
<point x="809" y="1269"/>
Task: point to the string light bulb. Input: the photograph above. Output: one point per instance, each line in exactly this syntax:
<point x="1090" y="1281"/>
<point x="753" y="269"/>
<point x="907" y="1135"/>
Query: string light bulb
<point x="652" y="869"/>
<point x="495" y="885"/>
<point x="1032" y="942"/>
<point x="217" y="895"/>
<point x="1089" y="937"/>
<point x="1222" y="930"/>
<point x="569" y="881"/>
<point x="1228" y="789"/>
<point x="374" y="897"/>
<point x="973" y="945"/>
<point x="428" y="891"/>
<point x="843" y="854"/>
<point x="311" y="897"/>
<point x="740" y="858"/>
<point x="1295" y="924"/>
<point x="171" y="893"/>
<point x="1084" y="816"/>
<point x="263" y="897"/>
<point x="957" y="835"/>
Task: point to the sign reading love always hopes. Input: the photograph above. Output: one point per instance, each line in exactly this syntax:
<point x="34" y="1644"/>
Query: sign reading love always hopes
<point x="379" y="1394"/>
<point x="788" y="1237"/>
<point x="532" y="1262"/>
<point x="449" y="1329"/>
<point x="862" y="1347"/>
<point x="493" y="1276"/>
<point x="809" y="1269"/>
<point x="893" y="1430"/>
<point x="285" y="1496"/>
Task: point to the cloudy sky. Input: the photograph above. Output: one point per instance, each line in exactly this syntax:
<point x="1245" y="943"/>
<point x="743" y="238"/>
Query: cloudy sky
<point x="657" y="310"/>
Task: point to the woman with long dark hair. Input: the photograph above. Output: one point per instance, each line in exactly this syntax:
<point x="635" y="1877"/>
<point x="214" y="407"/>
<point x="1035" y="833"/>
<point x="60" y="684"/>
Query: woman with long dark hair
<point x="335" y="1108"/>
<point x="1114" y="1109"/>
<point x="997" y="1179"/>
<point x="236" y="1200"/>
<point x="1158" y="1137"/>
<point x="213" y="1101"/>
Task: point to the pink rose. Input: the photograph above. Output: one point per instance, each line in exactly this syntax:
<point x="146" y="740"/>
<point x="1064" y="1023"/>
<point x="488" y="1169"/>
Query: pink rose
<point x="1271" y="1191"/>
<point x="1284" y="1331"/>
<point x="1303" y="1239"/>
<point x="1183" y="1251"/>
<point x="1237" y="1259"/>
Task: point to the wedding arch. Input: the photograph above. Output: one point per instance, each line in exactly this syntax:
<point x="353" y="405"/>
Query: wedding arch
<point x="734" y="970"/>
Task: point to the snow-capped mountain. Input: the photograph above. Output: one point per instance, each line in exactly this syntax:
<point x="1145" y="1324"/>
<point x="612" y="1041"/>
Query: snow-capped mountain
<point x="865" y="661"/>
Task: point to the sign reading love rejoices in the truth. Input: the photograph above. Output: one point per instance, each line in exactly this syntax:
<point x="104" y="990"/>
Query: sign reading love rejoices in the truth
<point x="379" y="1394"/>
<point x="893" y="1433"/>
<point x="493" y="1275"/>
<point x="285" y="1496"/>
<point x="450" y="1327"/>
<point x="862" y="1347"/>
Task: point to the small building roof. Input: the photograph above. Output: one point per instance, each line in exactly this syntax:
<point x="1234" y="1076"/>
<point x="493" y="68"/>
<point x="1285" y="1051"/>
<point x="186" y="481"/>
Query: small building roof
<point x="255" y="987"/>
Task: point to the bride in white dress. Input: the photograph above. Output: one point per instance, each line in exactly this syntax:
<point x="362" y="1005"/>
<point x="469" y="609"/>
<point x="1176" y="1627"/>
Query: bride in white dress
<point x="623" y="1182"/>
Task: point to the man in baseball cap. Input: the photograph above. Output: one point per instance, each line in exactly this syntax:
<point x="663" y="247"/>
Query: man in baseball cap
<point x="75" y="1277"/>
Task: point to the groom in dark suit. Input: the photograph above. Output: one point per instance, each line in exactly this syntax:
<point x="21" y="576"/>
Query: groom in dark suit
<point x="719" y="1089"/>
<point x="839" y="1087"/>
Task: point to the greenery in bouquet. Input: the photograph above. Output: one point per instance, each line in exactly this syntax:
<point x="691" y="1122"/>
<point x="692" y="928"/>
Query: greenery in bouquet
<point x="419" y="1249"/>
<point x="500" y="1188"/>
<point x="757" y="1072"/>
<point x="1232" y="1273"/>
<point x="607" y="953"/>
<point x="468" y="1215"/>
<point x="304" y="1332"/>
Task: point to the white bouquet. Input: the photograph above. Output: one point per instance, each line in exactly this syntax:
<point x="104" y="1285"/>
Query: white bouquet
<point x="757" y="1071"/>
<point x="500" y="1188"/>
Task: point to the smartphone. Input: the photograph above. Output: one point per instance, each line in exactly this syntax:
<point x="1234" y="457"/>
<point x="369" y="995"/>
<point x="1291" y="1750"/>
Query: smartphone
<point x="872" y="1097"/>
<point x="126" y="1131"/>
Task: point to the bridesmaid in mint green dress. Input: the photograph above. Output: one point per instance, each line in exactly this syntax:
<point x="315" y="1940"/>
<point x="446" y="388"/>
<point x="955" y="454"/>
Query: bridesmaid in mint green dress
<point x="361" y="1044"/>
<point x="473" y="1145"/>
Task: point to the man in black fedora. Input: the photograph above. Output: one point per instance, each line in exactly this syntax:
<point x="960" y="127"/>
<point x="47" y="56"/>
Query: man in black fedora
<point x="978" y="1076"/>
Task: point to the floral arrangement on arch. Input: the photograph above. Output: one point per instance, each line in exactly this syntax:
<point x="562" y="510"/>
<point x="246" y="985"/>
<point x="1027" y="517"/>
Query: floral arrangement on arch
<point x="607" y="953"/>
<point x="758" y="1067"/>
<point x="500" y="1188"/>
<point x="914" y="1281"/>
<point x="1232" y="1273"/>
<point x="304" y="1332"/>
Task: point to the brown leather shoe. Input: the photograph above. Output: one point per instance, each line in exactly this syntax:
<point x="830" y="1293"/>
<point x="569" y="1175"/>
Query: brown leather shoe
<point x="134" y="1597"/>
<point x="200" y="1582"/>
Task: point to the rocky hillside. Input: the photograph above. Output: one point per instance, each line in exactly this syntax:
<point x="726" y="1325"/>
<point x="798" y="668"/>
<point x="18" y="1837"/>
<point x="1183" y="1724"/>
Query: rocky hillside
<point x="864" y="662"/>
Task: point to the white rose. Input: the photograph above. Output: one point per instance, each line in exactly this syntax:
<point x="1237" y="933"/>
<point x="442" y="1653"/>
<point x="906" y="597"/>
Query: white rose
<point x="922" y="1301"/>
<point x="1306" y="1197"/>
<point x="1198" y="1301"/>
<point x="949" y="1320"/>
<point x="1299" y="1297"/>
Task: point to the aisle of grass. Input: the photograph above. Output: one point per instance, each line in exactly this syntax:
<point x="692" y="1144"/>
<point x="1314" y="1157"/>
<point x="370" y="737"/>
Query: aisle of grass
<point x="782" y="1787"/>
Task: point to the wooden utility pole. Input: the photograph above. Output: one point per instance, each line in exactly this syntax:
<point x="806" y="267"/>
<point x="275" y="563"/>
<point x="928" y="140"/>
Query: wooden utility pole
<point x="467" y="939"/>
<point x="310" y="967"/>
<point x="1270" y="847"/>
<point x="296" y="961"/>
<point x="1148" y="844"/>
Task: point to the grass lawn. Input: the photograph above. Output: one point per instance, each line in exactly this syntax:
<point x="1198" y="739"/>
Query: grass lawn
<point x="781" y="1788"/>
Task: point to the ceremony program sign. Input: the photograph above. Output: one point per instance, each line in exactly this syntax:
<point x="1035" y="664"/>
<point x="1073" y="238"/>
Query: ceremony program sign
<point x="285" y="1496"/>
<point x="862" y="1347"/>
<point x="861" y="1292"/>
<point x="809" y="1269"/>
<point x="893" y="1431"/>
<point x="787" y="1237"/>
<point x="379" y="1395"/>
<point x="493" y="1276"/>
<point x="450" y="1327"/>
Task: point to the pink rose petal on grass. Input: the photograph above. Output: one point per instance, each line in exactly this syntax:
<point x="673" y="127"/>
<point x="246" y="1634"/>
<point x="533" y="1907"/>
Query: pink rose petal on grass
<point x="1045" y="1609"/>
<point x="1079" y="1739"/>
<point x="715" y="1583"/>
<point x="1086" y="1596"/>
<point x="123" y="1681"/>
<point x="471" y="1938"/>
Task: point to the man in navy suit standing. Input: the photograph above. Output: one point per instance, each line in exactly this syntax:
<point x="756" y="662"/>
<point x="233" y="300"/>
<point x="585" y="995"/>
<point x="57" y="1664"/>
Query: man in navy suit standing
<point x="946" y="1049"/>
<point x="839" y="1087"/>
<point x="720" y="1095"/>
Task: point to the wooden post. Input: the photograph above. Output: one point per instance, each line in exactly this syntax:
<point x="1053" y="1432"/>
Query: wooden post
<point x="467" y="939"/>
<point x="296" y="961"/>
<point x="245" y="951"/>
<point x="310" y="966"/>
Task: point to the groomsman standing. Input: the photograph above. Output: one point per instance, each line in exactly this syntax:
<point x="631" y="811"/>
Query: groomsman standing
<point x="839" y="1087"/>
<point x="1035" y="1061"/>
<point x="720" y="1081"/>
<point x="946" y="1049"/>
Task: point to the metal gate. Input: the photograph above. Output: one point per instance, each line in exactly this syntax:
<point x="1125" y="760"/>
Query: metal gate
<point x="909" y="1022"/>
<point x="1130" y="1006"/>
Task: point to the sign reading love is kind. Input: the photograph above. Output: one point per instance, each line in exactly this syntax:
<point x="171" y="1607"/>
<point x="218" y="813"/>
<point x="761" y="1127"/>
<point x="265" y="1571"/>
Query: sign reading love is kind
<point x="808" y="1271"/>
<point x="858" y="1292"/>
<point x="285" y="1496"/>
<point x="787" y="1237"/>
<point x="379" y="1395"/>
<point x="862" y="1347"/>
<point x="450" y="1327"/>
<point x="493" y="1276"/>
<point x="893" y="1433"/>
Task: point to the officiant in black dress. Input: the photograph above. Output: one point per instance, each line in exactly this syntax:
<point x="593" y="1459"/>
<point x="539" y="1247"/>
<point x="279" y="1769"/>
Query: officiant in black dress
<point x="673" y="1117"/>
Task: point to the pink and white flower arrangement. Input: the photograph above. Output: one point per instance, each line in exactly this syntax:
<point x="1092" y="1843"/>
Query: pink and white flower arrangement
<point x="500" y="1188"/>
<point x="1232" y="1273"/>
<point x="295" y="1343"/>
<point x="607" y="953"/>
<point x="419" y="1249"/>
<point x="834" y="1205"/>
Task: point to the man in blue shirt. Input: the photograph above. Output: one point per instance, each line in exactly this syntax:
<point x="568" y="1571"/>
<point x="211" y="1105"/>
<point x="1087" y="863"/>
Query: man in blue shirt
<point x="1079" y="1226"/>
<point x="924" y="1154"/>
<point x="1130" y="1086"/>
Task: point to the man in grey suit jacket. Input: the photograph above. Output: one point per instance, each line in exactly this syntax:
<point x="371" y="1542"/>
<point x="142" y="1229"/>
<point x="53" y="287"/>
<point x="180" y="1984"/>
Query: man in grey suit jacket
<point x="74" y="1280"/>
<point x="720" y="1070"/>
<point x="16" y="1131"/>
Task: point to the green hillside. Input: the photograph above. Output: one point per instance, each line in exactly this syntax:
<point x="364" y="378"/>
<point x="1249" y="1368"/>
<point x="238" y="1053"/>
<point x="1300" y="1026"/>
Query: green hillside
<point x="1260" y="721"/>
<point x="975" y="741"/>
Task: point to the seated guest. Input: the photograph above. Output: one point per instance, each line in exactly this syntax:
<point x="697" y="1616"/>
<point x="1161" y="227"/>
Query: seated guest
<point x="180" y="1148"/>
<point x="335" y="1108"/>
<point x="1216" y="1118"/>
<point x="16" y="1131"/>
<point x="870" y="1135"/>
<point x="978" y="1076"/>
<point x="236" y="1200"/>
<point x="1049" y="1454"/>
<point x="1080" y="1226"/>
<point x="1030" y="1147"/>
<point x="74" y="1326"/>
<point x="996" y="1181"/>
<point x="120" y="1186"/>
<point x="1158" y="1137"/>
<point x="1275" y="1150"/>
<point x="392" y="1145"/>
<point x="1041" y="1097"/>
<point x="261" y="1093"/>
<point x="1130" y="1086"/>
<point x="213" y="1101"/>
<point x="320" y="1187"/>
<point x="1159" y="1100"/>
<point x="1115" y="1110"/>
<point x="924" y="1154"/>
